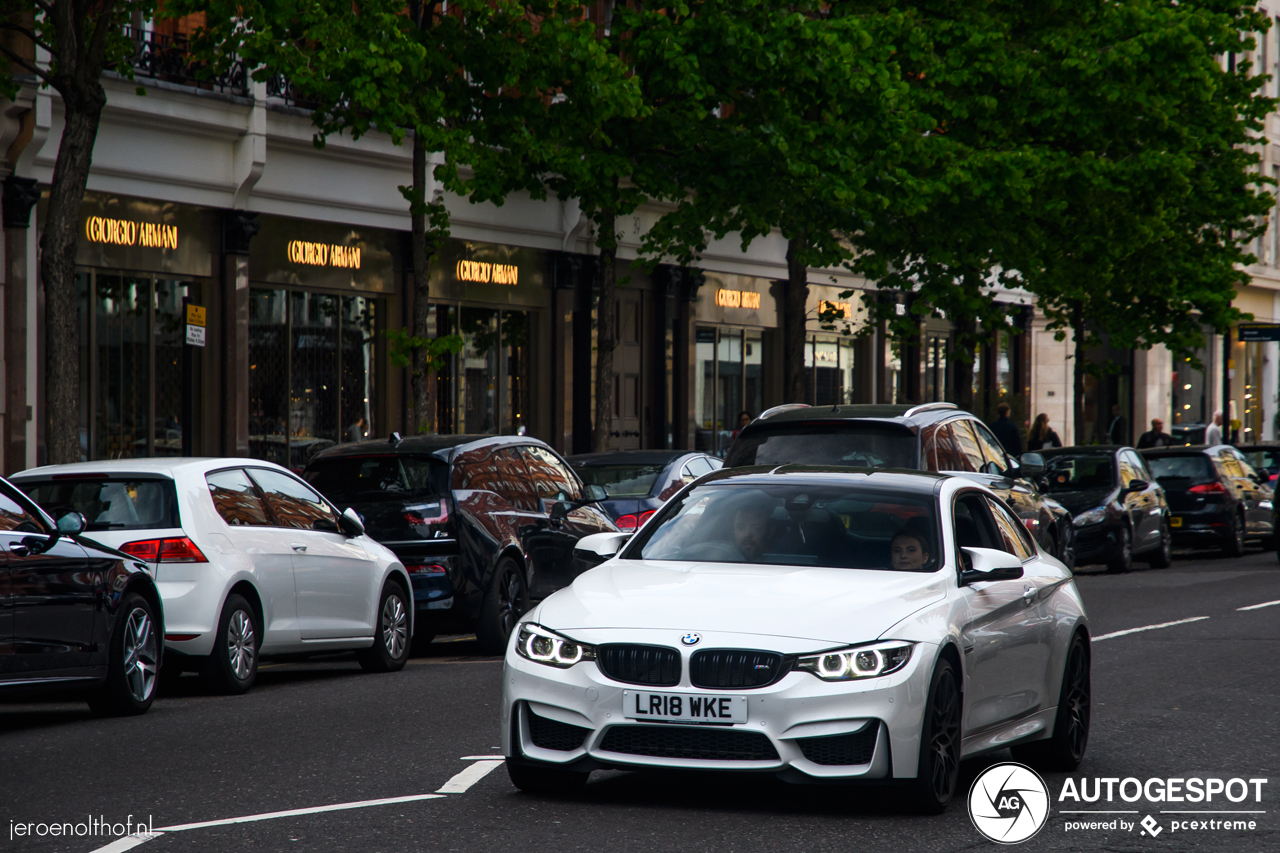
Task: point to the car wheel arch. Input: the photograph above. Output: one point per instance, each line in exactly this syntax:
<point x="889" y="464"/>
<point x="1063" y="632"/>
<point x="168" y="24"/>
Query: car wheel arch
<point x="402" y="576"/>
<point x="249" y="592"/>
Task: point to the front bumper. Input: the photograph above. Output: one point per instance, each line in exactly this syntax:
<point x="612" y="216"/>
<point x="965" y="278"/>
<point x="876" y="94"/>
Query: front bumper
<point x="800" y="728"/>
<point x="1096" y="542"/>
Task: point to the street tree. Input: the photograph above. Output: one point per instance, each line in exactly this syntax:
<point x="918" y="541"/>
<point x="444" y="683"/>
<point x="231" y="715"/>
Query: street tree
<point x="66" y="46"/>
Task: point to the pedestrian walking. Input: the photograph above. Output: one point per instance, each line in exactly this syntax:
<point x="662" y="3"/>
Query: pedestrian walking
<point x="1007" y="431"/>
<point x="1155" y="437"/>
<point x="1042" y="435"/>
<point x="1213" y="432"/>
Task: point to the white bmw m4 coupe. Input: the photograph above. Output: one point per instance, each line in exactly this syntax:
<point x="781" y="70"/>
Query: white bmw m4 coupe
<point x="818" y="624"/>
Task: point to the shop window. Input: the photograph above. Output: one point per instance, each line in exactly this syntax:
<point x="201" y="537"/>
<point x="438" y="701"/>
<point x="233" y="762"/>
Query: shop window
<point x="1190" y="391"/>
<point x="829" y="370"/>
<point x="485" y="389"/>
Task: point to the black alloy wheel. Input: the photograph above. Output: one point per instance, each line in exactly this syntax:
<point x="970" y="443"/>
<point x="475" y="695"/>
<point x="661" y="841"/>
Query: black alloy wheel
<point x="938" y="771"/>
<point x="1063" y="751"/>
<point x="1162" y="556"/>
<point x="505" y="603"/>
<point x="1122" y="560"/>
<point x="1233" y="541"/>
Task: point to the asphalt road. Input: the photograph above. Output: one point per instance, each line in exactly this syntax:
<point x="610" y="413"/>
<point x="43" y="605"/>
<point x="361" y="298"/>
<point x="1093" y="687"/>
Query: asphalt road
<point x="1197" y="699"/>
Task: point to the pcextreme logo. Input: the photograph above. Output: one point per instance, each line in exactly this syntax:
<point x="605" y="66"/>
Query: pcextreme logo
<point x="1009" y="803"/>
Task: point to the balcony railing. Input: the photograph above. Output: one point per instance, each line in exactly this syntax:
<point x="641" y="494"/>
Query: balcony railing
<point x="169" y="58"/>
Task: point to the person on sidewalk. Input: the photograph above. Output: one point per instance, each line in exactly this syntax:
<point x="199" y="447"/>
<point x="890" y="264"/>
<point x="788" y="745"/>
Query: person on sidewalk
<point x="1156" y="437"/>
<point x="1042" y="435"/>
<point x="1118" y="431"/>
<point x="1007" y="431"/>
<point x="1213" y="432"/>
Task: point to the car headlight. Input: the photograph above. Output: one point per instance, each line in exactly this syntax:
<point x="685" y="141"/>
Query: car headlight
<point x="860" y="662"/>
<point x="1097" y="515"/>
<point x="542" y="645"/>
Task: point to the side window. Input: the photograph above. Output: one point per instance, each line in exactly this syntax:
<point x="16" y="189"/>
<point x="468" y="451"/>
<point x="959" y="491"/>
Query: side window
<point x="1143" y="469"/>
<point x="929" y="450"/>
<point x="1012" y="533"/>
<point x="992" y="450"/>
<point x="550" y="476"/>
<point x="1128" y="471"/>
<point x="292" y="502"/>
<point x="236" y="499"/>
<point x="15" y="517"/>
<point x="512" y="480"/>
<point x="973" y="525"/>
<point x="966" y="444"/>
<point x="1230" y="464"/>
<point x="1246" y="470"/>
<point x="949" y="456"/>
<point x="698" y="466"/>
<point x="713" y="463"/>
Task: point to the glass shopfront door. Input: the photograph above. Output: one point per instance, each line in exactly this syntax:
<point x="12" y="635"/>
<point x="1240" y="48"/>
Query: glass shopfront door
<point x="728" y="380"/>
<point x="485" y="389"/>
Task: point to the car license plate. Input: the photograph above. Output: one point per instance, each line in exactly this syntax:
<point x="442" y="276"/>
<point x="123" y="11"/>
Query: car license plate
<point x="683" y="708"/>
<point x="1175" y="522"/>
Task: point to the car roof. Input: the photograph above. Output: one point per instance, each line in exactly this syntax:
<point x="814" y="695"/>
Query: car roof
<point x="916" y="482"/>
<point x="1259" y="445"/>
<point x="162" y="465"/>
<point x="1087" y="450"/>
<point x="625" y="457"/>
<point x="910" y="417"/>
<point x="1184" y="450"/>
<point x="425" y="444"/>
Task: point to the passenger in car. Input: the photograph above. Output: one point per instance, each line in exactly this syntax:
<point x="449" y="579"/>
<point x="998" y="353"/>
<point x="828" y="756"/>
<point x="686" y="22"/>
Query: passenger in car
<point x="909" y="549"/>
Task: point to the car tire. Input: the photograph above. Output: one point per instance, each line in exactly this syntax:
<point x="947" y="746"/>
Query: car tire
<point x="1122" y="561"/>
<point x="390" y="649"/>
<point x="1162" y="556"/>
<point x="505" y="602"/>
<point x="1063" y="751"/>
<point x="1067" y="555"/>
<point x="132" y="662"/>
<point x="938" y="769"/>
<point x="1233" y="541"/>
<point x="232" y="667"/>
<point x="548" y="781"/>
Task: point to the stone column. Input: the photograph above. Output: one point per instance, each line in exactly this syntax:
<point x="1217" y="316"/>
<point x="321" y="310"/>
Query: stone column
<point x="20" y="195"/>
<point x="238" y="228"/>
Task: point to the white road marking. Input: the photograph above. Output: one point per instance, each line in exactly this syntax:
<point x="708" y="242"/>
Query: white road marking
<point x="471" y="775"/>
<point x="1149" y="628"/>
<point x="128" y="842"/>
<point x="494" y="757"/>
<point x="1259" y="606"/>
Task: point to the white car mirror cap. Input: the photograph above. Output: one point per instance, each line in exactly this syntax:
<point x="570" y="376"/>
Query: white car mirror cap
<point x="602" y="544"/>
<point x="351" y="523"/>
<point x="988" y="560"/>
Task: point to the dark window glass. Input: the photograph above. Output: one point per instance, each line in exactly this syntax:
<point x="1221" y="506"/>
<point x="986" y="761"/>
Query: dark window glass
<point x="793" y="524"/>
<point x="236" y="499"/>
<point x="974" y="527"/>
<point x="1195" y="468"/>
<point x="1012" y="533"/>
<point x="1077" y="473"/>
<point x="967" y="446"/>
<point x="15" y="516"/>
<point x="362" y="479"/>
<point x="622" y="481"/>
<point x="858" y="445"/>
<point x="550" y="476"/>
<point x="992" y="450"/>
<point x="291" y="502"/>
<point x="109" y="504"/>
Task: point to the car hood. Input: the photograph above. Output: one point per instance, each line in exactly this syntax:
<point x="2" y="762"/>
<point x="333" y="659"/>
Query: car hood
<point x="834" y="605"/>
<point x="1078" y="502"/>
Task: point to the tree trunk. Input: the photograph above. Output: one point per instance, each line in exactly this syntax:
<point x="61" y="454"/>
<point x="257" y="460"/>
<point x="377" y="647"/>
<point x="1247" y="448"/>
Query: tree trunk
<point x="423" y="378"/>
<point x="606" y="331"/>
<point x="966" y="334"/>
<point x="793" y="323"/>
<point x="1083" y="432"/>
<point x="58" y="271"/>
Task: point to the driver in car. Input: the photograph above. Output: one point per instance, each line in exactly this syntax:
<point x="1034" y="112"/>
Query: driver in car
<point x="909" y="550"/>
<point x="750" y="529"/>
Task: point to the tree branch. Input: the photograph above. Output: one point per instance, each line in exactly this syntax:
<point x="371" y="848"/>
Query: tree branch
<point x="29" y="66"/>
<point x="29" y="35"/>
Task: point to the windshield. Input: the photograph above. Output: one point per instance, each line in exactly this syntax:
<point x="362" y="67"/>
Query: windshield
<point x="856" y="445"/>
<point x="355" y="479"/>
<point x="795" y="525"/>
<point x="141" y="504"/>
<point x="621" y="481"/>
<point x="1268" y="460"/>
<point x="1076" y="473"/>
<point x="1189" y="467"/>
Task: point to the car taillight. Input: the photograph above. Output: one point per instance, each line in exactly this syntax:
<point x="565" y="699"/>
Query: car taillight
<point x="177" y="550"/>
<point x="427" y="514"/>
<point x="644" y="516"/>
<point x="1208" y="489"/>
<point x="429" y="569"/>
<point x="1032" y="525"/>
<point x="626" y="522"/>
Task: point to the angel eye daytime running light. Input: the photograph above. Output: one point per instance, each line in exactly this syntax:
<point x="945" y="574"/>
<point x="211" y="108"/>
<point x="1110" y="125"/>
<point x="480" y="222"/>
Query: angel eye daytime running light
<point x="863" y="662"/>
<point x="541" y="645"/>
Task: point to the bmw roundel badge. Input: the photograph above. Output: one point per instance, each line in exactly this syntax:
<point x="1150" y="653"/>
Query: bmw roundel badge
<point x="691" y="639"/>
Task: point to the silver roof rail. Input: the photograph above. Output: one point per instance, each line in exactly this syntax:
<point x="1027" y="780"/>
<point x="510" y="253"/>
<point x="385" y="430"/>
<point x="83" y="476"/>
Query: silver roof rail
<point x="928" y="407"/>
<point x="785" y="407"/>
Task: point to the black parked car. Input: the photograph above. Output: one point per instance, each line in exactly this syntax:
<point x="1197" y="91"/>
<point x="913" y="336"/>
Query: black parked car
<point x="1119" y="510"/>
<point x="482" y="523"/>
<point x="77" y="614"/>
<point x="640" y="481"/>
<point x="1216" y="497"/>
<point x="929" y="437"/>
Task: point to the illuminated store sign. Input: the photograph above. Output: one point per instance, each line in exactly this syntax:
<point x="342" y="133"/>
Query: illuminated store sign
<point x="485" y="273"/>
<point x="126" y="232"/>
<point x="737" y="299"/>
<point x="324" y="254"/>
<point x="835" y="309"/>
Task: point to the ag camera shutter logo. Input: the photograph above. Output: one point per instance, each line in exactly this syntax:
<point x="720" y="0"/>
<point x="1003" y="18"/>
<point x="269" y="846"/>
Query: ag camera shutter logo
<point x="1009" y="803"/>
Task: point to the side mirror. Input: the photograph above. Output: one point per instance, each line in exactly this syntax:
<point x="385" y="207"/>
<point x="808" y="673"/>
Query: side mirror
<point x="72" y="523"/>
<point x="601" y="546"/>
<point x="1031" y="465"/>
<point x="988" y="564"/>
<point x="596" y="493"/>
<point x="1137" y="486"/>
<point x="350" y="522"/>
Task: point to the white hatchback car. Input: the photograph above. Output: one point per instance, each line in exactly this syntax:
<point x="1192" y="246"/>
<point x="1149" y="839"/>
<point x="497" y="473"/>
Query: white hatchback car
<point x="250" y="561"/>
<point x="821" y="625"/>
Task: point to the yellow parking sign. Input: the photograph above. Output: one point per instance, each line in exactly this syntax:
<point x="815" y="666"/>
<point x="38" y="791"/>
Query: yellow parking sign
<point x="195" y="315"/>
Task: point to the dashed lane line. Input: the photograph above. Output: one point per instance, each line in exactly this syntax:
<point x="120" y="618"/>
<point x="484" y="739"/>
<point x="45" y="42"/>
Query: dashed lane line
<point x="473" y="774"/>
<point x="1148" y="628"/>
<point x="1259" y="606"/>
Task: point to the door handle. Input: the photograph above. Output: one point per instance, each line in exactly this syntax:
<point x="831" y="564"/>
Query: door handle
<point x="1028" y="594"/>
<point x="295" y="546"/>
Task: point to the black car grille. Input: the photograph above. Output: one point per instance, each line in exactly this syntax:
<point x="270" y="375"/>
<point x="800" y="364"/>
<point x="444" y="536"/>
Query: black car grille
<point x="855" y="748"/>
<point x="734" y="669"/>
<point x="653" y="665"/>
<point x="553" y="734"/>
<point x="704" y="742"/>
